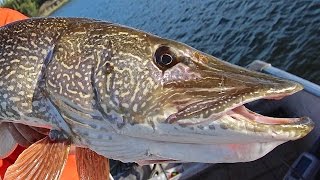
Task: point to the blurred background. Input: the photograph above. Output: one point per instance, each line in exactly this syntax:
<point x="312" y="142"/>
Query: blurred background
<point x="281" y="32"/>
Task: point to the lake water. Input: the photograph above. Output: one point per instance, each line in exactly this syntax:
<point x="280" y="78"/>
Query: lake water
<point x="282" y="32"/>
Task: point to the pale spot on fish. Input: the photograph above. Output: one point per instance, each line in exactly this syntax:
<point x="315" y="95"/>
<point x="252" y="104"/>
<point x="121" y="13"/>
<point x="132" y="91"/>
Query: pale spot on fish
<point x="125" y="105"/>
<point x="43" y="51"/>
<point x="10" y="88"/>
<point x="14" y="99"/>
<point x="24" y="104"/>
<point x="9" y="113"/>
<point x="33" y="58"/>
<point x="78" y="75"/>
<point x="135" y="107"/>
<point x="3" y="105"/>
<point x="20" y="76"/>
<point x="22" y="48"/>
<point x="15" y="61"/>
<point x="81" y="85"/>
<point x="35" y="103"/>
<point x="42" y="109"/>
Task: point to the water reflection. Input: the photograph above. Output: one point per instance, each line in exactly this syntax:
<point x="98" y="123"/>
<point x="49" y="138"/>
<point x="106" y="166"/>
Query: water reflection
<point x="284" y="33"/>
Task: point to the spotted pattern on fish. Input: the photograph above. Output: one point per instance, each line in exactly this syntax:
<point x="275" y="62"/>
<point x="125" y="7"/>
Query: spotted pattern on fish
<point x="21" y="73"/>
<point x="77" y="68"/>
<point x="102" y="86"/>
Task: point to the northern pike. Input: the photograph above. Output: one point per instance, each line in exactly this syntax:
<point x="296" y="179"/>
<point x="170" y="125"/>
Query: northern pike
<point x="128" y="95"/>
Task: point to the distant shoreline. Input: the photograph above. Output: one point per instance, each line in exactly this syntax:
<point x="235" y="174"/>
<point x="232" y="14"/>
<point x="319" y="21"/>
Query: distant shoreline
<point x="51" y="6"/>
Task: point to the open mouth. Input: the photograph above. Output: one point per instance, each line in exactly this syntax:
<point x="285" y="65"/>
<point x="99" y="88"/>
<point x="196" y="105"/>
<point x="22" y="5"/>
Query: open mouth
<point x="242" y="112"/>
<point x="253" y="116"/>
<point x="239" y="111"/>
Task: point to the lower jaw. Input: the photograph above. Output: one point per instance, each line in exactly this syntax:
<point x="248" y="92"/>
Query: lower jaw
<point x="240" y="122"/>
<point x="214" y="153"/>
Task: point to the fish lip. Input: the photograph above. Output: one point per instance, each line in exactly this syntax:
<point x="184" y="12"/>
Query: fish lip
<point x="273" y="96"/>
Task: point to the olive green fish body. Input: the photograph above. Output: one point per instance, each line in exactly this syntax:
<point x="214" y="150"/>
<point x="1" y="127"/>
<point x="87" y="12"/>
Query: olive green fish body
<point x="52" y="66"/>
<point x="133" y="96"/>
<point x="22" y="55"/>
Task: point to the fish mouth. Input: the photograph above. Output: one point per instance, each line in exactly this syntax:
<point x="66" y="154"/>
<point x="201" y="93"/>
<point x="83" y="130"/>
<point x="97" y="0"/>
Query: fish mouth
<point x="239" y="118"/>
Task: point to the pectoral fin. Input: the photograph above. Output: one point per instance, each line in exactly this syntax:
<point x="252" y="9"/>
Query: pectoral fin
<point x="91" y="165"/>
<point x="42" y="160"/>
<point x="29" y="133"/>
<point x="7" y="142"/>
<point x="17" y="136"/>
<point x="25" y="135"/>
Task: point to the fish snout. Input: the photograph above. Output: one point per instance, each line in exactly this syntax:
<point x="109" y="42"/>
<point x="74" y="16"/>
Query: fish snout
<point x="220" y="74"/>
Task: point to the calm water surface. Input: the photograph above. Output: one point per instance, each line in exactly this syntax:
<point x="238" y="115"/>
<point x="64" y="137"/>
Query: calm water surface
<point x="282" y="32"/>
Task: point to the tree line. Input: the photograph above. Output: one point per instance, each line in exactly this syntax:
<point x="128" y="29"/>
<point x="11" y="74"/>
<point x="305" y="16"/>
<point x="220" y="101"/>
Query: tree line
<point x="27" y="7"/>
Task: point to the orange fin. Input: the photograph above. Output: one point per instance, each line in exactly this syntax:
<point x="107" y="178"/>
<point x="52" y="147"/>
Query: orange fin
<point x="42" y="160"/>
<point x="91" y="165"/>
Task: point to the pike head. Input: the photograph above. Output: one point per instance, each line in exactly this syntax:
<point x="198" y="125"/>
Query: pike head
<point x="180" y="104"/>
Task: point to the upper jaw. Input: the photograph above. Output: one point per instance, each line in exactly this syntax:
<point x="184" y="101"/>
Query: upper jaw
<point x="235" y="117"/>
<point x="216" y="103"/>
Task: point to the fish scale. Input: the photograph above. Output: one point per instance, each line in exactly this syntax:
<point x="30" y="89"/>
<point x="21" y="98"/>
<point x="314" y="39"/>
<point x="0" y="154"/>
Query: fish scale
<point x="18" y="95"/>
<point x="77" y="54"/>
<point x="28" y="63"/>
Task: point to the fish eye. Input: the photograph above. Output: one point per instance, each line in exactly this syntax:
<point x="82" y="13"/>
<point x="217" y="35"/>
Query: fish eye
<point x="165" y="58"/>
